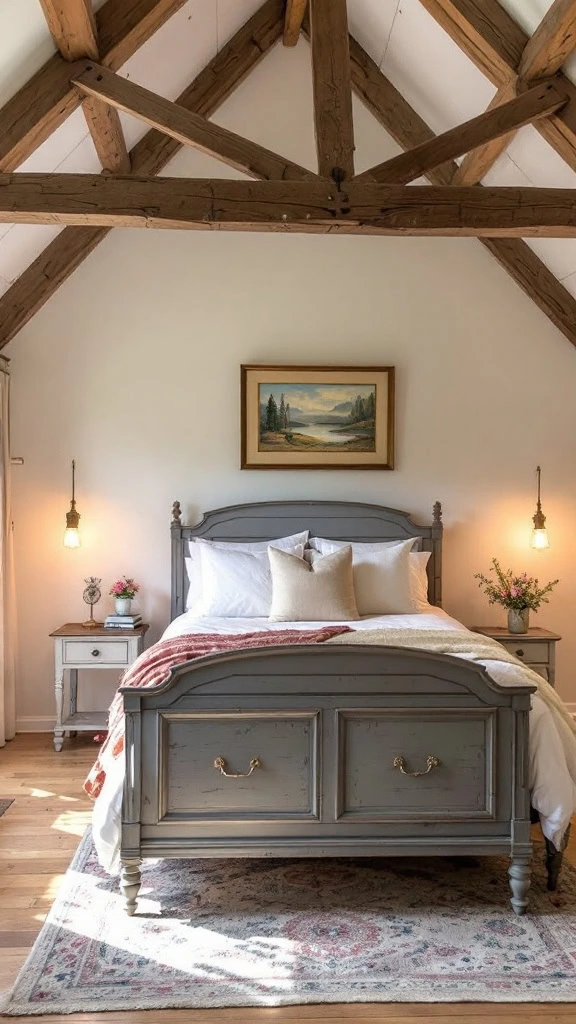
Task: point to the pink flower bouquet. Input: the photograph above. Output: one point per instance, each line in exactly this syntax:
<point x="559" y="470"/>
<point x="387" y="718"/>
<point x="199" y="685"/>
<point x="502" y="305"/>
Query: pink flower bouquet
<point x="511" y="591"/>
<point x="126" y="587"/>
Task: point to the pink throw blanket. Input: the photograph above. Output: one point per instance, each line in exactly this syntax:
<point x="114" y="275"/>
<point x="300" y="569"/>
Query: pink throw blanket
<point x="154" y="666"/>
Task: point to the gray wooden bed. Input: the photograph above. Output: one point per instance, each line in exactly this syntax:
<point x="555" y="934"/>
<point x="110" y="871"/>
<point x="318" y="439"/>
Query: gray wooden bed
<point x="324" y="751"/>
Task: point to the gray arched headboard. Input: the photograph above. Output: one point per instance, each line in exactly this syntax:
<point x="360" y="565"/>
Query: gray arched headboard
<point x="337" y="520"/>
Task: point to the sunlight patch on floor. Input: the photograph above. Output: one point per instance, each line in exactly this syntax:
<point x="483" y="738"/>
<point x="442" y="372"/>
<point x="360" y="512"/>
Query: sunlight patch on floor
<point x="72" y="822"/>
<point x="99" y="915"/>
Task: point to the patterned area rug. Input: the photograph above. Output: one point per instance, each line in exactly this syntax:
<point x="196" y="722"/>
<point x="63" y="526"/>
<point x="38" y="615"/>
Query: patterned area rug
<point x="4" y="805"/>
<point x="275" y="932"/>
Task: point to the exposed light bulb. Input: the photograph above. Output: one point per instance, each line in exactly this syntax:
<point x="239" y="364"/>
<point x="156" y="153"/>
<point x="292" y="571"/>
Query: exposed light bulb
<point x="71" y="537"/>
<point x="71" y="534"/>
<point x="539" y="539"/>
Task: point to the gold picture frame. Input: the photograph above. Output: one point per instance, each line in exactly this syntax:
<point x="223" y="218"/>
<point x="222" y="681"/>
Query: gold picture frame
<point x="317" y="417"/>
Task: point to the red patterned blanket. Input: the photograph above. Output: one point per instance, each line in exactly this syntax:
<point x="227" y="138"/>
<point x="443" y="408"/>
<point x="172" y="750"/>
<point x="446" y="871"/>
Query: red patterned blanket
<point x="154" y="666"/>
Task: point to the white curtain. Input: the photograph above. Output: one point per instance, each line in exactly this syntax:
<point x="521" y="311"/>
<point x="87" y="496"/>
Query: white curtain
<point x="7" y="596"/>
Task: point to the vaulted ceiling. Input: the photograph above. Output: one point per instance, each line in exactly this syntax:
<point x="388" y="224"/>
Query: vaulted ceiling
<point x="420" y="66"/>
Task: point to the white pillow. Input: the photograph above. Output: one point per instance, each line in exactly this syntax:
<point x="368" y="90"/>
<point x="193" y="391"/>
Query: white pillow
<point x="306" y="592"/>
<point x="237" y="584"/>
<point x="194" y="568"/>
<point x="325" y="546"/>
<point x="419" y="579"/>
<point x="382" y="582"/>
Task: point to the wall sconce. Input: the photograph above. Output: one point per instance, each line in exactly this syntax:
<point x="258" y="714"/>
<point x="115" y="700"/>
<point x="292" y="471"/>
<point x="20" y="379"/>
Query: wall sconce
<point x="539" y="538"/>
<point x="71" y="534"/>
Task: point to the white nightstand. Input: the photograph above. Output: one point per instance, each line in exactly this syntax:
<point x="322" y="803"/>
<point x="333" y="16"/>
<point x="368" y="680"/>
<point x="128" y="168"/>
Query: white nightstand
<point x="536" y="648"/>
<point x="76" y="647"/>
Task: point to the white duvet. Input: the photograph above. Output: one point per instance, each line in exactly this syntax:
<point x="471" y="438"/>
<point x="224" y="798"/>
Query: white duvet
<point x="552" y="744"/>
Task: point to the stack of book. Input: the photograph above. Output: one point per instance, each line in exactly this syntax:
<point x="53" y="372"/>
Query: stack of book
<point x="123" y="621"/>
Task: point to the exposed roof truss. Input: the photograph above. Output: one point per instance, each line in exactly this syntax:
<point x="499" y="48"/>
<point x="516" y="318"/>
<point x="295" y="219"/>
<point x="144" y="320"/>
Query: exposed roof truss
<point x="531" y="89"/>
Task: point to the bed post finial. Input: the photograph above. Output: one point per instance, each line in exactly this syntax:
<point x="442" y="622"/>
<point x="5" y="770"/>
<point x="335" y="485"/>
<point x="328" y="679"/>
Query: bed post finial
<point x="437" y="513"/>
<point x="176" y="514"/>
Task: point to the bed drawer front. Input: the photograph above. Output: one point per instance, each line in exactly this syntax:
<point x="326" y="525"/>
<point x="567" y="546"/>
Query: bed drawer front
<point x="460" y="787"/>
<point x="270" y="760"/>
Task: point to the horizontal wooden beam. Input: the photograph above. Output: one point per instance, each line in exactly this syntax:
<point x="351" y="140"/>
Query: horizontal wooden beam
<point x="73" y="27"/>
<point x="130" y="201"/>
<point x="187" y="128"/>
<point x="552" y="42"/>
<point x="408" y="129"/>
<point x="295" y="11"/>
<point x="493" y="40"/>
<point x="49" y="97"/>
<point x="542" y="99"/>
<point x="204" y="95"/>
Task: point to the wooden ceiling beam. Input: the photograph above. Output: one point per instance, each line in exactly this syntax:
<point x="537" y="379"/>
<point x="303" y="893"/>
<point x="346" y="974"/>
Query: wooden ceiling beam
<point x="552" y="42"/>
<point x="295" y="11"/>
<point x="135" y="201"/>
<point x="391" y="110"/>
<point x="332" y="89"/>
<point x="48" y="97"/>
<point x="74" y="31"/>
<point x="187" y="128"/>
<point x="485" y="31"/>
<point x="73" y="27"/>
<point x="542" y="99"/>
<point x="481" y="159"/>
<point x="106" y="130"/>
<point x="204" y="95"/>
<point x="408" y="129"/>
<point x="493" y="40"/>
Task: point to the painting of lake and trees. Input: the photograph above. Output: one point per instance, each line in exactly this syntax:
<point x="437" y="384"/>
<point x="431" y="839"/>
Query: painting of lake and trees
<point x="317" y="417"/>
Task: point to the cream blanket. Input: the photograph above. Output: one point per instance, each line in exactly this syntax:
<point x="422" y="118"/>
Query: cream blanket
<point x="462" y="644"/>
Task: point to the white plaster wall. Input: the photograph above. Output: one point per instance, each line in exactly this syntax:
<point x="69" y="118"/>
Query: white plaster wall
<point x="133" y="369"/>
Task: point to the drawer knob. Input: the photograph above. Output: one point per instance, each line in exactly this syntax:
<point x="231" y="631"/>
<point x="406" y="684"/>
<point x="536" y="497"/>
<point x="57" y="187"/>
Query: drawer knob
<point x="519" y="653"/>
<point x="95" y="653"/>
<point x="431" y="762"/>
<point x="220" y="765"/>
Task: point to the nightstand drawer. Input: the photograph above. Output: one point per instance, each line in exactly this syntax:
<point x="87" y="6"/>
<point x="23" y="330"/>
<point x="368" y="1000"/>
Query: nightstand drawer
<point x="96" y="652"/>
<point x="531" y="652"/>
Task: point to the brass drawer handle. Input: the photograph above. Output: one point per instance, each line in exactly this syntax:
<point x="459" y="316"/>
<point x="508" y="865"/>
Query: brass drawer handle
<point x="431" y="762"/>
<point x="519" y="653"/>
<point x="95" y="652"/>
<point x="220" y="765"/>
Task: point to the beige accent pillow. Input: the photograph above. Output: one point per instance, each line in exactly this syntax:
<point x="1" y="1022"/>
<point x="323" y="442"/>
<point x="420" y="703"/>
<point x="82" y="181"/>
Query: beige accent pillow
<point x="302" y="592"/>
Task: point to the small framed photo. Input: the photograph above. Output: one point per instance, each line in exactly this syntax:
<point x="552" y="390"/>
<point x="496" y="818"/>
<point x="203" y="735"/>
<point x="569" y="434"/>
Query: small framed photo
<point x="317" y="417"/>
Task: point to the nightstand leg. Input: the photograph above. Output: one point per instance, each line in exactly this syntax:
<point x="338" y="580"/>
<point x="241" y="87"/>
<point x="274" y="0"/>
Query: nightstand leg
<point x="73" y="696"/>
<point x="73" y="691"/>
<point x="130" y="881"/>
<point x="59" y="695"/>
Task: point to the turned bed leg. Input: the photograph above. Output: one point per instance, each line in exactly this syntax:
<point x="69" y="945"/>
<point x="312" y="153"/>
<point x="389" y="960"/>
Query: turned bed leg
<point x="130" y="880"/>
<point x="519" y="874"/>
<point x="554" y="860"/>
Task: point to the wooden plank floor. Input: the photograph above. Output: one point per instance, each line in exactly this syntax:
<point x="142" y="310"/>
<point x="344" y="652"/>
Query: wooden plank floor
<point x="38" y="835"/>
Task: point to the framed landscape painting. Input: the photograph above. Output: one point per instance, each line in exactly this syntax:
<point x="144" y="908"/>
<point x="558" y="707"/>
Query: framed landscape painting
<point x="317" y="417"/>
